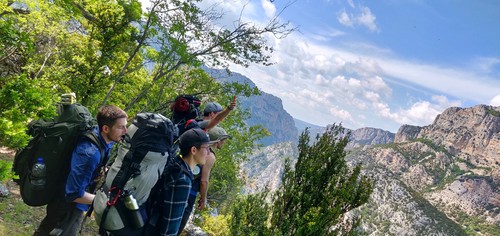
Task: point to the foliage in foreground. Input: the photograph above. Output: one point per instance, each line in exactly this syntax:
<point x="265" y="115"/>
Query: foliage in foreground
<point x="314" y="196"/>
<point x="111" y="52"/>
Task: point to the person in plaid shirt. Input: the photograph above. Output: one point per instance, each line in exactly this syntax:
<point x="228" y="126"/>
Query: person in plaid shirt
<point x="172" y="195"/>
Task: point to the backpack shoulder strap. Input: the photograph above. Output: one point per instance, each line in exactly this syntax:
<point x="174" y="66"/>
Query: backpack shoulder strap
<point x="94" y="139"/>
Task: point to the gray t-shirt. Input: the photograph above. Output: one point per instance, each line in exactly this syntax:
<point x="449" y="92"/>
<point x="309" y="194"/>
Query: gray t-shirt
<point x="203" y="124"/>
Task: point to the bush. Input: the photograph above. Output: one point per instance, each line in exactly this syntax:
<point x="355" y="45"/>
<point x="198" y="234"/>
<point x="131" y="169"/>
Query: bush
<point x="5" y="170"/>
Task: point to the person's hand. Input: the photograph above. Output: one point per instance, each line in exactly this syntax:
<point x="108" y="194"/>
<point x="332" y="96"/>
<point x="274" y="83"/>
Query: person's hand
<point x="201" y="205"/>
<point x="232" y="105"/>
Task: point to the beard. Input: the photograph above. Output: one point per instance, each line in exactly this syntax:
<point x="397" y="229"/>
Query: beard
<point x="116" y="140"/>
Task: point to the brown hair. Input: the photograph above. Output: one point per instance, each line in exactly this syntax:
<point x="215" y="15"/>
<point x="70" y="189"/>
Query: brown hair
<point x="108" y="115"/>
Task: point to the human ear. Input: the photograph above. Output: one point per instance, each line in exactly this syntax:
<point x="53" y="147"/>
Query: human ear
<point x="106" y="129"/>
<point x="194" y="150"/>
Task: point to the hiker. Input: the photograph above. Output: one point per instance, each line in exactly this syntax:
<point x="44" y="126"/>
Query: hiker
<point x="112" y="125"/>
<point x="120" y="204"/>
<point x="169" y="201"/>
<point x="186" y="109"/>
<point x="200" y="184"/>
<point x="213" y="114"/>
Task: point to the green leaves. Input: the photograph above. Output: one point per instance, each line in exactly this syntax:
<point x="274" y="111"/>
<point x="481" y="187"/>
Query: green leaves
<point x="22" y="99"/>
<point x="314" y="196"/>
<point x="321" y="189"/>
<point x="250" y="215"/>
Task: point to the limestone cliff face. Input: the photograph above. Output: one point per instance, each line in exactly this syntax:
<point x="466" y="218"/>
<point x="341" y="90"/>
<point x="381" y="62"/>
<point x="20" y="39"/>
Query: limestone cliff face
<point x="440" y="179"/>
<point x="369" y="136"/>
<point x="407" y="132"/>
<point x="472" y="133"/>
<point x="265" y="109"/>
<point x="453" y="164"/>
<point x="264" y="168"/>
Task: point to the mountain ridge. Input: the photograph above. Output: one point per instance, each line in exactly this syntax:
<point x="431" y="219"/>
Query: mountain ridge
<point x="438" y="179"/>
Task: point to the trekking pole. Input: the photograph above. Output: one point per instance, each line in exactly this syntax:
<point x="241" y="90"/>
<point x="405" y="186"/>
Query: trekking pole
<point x="87" y="215"/>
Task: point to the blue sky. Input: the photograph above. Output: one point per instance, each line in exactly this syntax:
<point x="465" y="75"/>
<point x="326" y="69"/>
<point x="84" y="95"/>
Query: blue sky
<point x="377" y="63"/>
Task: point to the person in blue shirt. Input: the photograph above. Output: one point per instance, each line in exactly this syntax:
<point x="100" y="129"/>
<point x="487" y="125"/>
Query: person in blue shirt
<point x="85" y="166"/>
<point x="170" y="201"/>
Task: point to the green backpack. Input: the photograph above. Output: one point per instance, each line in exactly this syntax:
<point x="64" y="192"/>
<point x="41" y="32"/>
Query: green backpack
<point x="53" y="141"/>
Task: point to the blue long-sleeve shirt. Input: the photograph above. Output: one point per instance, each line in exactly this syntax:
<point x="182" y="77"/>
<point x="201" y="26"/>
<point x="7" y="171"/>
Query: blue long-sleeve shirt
<point x="84" y="162"/>
<point x="166" y="218"/>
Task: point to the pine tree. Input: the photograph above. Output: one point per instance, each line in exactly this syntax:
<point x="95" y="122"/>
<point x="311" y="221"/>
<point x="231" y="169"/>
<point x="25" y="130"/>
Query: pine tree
<point x="315" y="196"/>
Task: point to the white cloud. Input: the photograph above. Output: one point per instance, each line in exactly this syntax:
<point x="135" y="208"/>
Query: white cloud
<point x="495" y="101"/>
<point x="456" y="82"/>
<point x="486" y="64"/>
<point x="326" y="34"/>
<point x="269" y="8"/>
<point x="373" y="97"/>
<point x="351" y="3"/>
<point x="344" y="18"/>
<point x="367" y="19"/>
<point x="419" y="113"/>
<point x="340" y="113"/>
<point x="363" y="18"/>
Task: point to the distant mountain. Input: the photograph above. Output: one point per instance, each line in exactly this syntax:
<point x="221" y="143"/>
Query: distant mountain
<point x="313" y="129"/>
<point x="369" y="136"/>
<point x="266" y="109"/>
<point x="440" y="179"/>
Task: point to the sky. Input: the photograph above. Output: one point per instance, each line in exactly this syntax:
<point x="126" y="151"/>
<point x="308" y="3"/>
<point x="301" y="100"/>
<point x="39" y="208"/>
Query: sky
<point x="376" y="64"/>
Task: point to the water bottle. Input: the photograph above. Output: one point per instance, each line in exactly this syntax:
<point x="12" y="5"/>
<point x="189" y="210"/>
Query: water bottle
<point x="38" y="174"/>
<point x="134" y="213"/>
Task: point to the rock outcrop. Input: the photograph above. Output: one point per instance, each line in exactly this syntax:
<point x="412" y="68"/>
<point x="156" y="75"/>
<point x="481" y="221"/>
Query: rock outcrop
<point x="440" y="179"/>
<point x="369" y="136"/>
<point x="407" y="132"/>
<point x="265" y="109"/>
<point x="472" y="133"/>
<point x="264" y="168"/>
<point x="453" y="164"/>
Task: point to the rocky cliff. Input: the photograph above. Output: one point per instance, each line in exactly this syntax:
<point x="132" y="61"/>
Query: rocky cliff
<point x="266" y="110"/>
<point x="264" y="168"/>
<point x="452" y="164"/>
<point x="369" y="136"/>
<point x="473" y="134"/>
<point x="440" y="179"/>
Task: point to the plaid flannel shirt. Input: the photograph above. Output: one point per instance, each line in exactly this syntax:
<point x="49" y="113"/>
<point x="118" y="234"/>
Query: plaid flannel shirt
<point x="166" y="217"/>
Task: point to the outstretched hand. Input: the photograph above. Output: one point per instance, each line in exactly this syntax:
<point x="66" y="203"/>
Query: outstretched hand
<point x="232" y="105"/>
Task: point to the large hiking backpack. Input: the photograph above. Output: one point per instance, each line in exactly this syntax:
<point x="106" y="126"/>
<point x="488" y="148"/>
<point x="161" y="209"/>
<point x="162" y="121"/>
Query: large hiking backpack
<point x="53" y="141"/>
<point x="185" y="112"/>
<point x="140" y="160"/>
<point x="184" y="108"/>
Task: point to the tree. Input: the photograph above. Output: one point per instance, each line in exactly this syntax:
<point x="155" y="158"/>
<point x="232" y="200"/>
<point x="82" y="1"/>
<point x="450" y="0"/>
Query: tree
<point x="50" y="49"/>
<point x="112" y="52"/>
<point x="250" y="215"/>
<point x="315" y="196"/>
<point x="186" y="36"/>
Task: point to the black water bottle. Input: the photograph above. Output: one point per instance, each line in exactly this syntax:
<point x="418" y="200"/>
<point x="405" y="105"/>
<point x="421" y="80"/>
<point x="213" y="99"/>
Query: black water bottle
<point x="38" y="175"/>
<point x="134" y="213"/>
